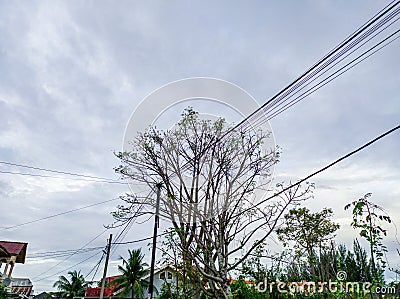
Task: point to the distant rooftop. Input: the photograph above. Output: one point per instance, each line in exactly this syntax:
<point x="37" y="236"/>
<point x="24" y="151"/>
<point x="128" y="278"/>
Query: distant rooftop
<point x="21" y="282"/>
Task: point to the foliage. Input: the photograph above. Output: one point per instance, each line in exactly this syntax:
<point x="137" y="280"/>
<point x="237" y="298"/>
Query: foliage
<point x="309" y="232"/>
<point x="294" y="266"/>
<point x="169" y="291"/>
<point x="356" y="263"/>
<point x="73" y="287"/>
<point x="3" y="292"/>
<point x="368" y="217"/>
<point x="132" y="279"/>
<point x="253" y="268"/>
<point x="288" y="266"/>
<point x="185" y="276"/>
<point x="241" y="290"/>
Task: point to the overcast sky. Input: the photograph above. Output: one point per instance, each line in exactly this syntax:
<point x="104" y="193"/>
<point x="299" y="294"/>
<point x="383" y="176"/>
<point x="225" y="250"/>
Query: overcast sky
<point x="72" y="72"/>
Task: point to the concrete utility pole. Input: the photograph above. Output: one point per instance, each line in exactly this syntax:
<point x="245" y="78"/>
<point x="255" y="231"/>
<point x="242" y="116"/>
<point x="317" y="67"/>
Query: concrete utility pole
<point x="153" y="252"/>
<point x="103" y="282"/>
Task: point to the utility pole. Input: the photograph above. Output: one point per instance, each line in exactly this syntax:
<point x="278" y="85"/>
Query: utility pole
<point x="153" y="252"/>
<point x="103" y="282"/>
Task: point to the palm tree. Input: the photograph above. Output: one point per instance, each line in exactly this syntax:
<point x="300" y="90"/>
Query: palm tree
<point x="132" y="278"/>
<point x="74" y="287"/>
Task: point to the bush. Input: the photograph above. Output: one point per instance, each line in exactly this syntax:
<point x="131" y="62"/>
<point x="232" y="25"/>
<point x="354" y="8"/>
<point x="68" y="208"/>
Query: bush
<point x="3" y="292"/>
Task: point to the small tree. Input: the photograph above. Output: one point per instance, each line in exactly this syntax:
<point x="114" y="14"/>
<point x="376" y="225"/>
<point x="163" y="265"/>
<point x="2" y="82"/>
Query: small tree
<point x="368" y="217"/>
<point x="309" y="231"/>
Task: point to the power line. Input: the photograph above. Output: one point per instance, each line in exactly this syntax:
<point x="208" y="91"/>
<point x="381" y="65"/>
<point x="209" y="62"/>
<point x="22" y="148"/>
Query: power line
<point x="77" y="250"/>
<point x="81" y="262"/>
<point x="98" y="266"/>
<point x="381" y="19"/>
<point x="58" y="254"/>
<point x="69" y="251"/>
<point x="72" y="254"/>
<point x="94" y="268"/>
<point x="56" y="215"/>
<point x="268" y="113"/>
<point x="62" y="251"/>
<point x="342" y="48"/>
<point x="139" y="240"/>
<point x="121" y="235"/>
<point x="63" y="178"/>
<point x="325" y="167"/>
<point x="271" y="114"/>
<point x="54" y="171"/>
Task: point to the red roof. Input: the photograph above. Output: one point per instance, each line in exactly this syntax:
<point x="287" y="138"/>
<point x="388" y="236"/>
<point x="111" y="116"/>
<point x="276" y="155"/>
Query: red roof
<point x="108" y="292"/>
<point x="14" y="249"/>
<point x="95" y="292"/>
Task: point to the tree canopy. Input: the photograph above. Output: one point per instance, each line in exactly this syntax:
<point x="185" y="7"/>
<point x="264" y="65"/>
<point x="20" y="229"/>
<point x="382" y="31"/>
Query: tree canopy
<point x="133" y="272"/>
<point x="211" y="177"/>
<point x="74" y="286"/>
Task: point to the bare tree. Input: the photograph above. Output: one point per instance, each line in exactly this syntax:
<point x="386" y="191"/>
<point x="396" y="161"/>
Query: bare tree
<point x="210" y="180"/>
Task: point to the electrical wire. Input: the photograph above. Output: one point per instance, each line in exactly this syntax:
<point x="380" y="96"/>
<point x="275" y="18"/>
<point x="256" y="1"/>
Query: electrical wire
<point x="56" y="215"/>
<point x="369" y="143"/>
<point x="139" y="240"/>
<point x="97" y="265"/>
<point x="121" y="235"/>
<point x="63" y="178"/>
<point x="93" y="248"/>
<point x="271" y="114"/>
<point x="342" y="48"/>
<point x="381" y="19"/>
<point x="62" y="271"/>
<point x="69" y="256"/>
<point x="58" y="254"/>
<point x="54" y="171"/>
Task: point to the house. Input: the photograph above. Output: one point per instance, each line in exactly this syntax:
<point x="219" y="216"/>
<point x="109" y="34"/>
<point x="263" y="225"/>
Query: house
<point x="162" y="275"/>
<point x="11" y="253"/>
<point x="21" y="286"/>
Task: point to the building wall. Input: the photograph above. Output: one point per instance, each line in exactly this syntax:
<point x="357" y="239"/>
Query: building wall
<point x="159" y="282"/>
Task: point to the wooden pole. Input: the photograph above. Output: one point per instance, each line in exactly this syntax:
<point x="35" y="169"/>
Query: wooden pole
<point x="103" y="282"/>
<point x="153" y="252"/>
